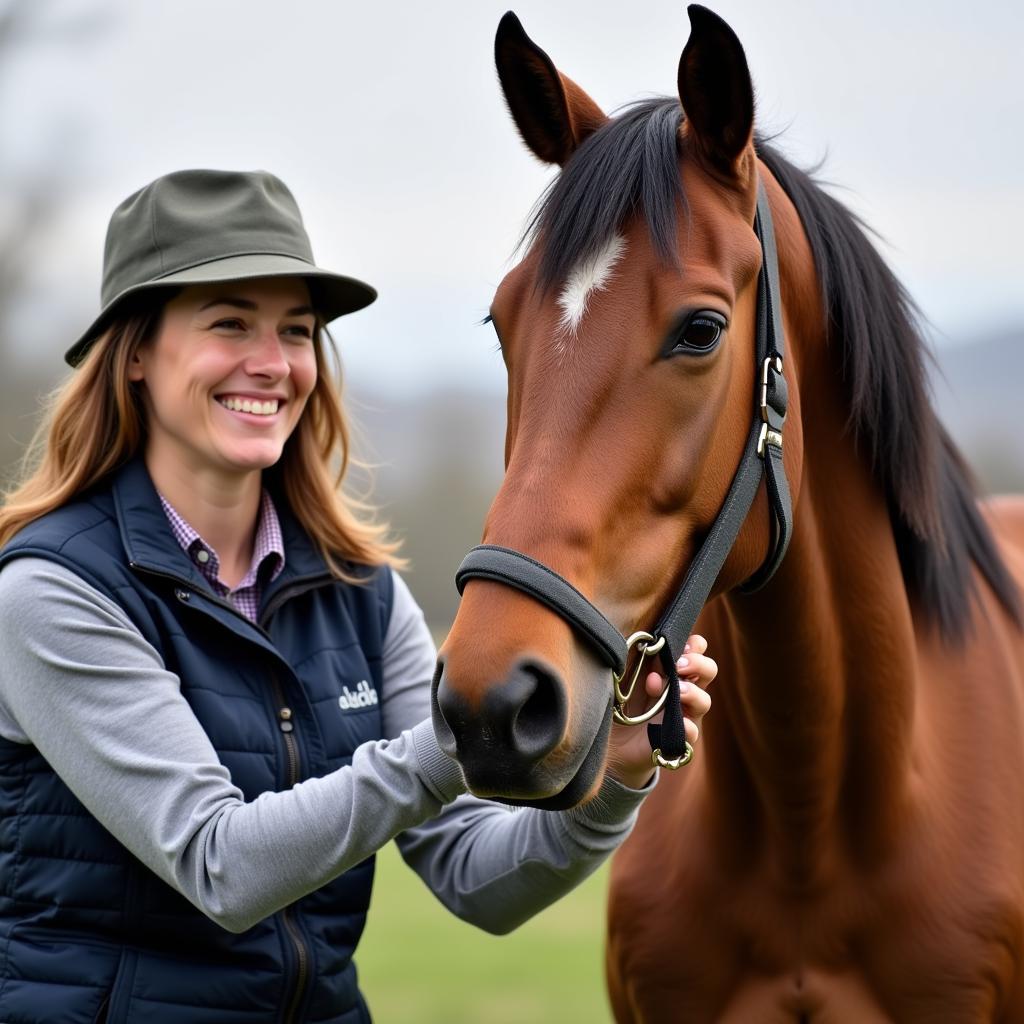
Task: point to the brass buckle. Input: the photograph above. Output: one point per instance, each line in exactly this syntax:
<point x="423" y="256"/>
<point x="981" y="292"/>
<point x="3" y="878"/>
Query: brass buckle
<point x="645" y="645"/>
<point x="768" y="436"/>
<point x="771" y="363"/>
<point x="672" y="763"/>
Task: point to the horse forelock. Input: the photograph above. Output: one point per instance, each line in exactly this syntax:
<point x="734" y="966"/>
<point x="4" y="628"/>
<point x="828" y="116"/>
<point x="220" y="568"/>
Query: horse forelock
<point x="630" y="168"/>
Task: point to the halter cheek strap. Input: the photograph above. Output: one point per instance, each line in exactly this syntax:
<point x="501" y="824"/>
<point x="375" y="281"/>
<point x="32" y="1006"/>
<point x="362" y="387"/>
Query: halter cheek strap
<point x="762" y="454"/>
<point x="773" y="399"/>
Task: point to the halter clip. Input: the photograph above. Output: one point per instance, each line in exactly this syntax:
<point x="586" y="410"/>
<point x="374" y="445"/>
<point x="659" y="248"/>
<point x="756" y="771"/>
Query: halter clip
<point x="645" y="645"/>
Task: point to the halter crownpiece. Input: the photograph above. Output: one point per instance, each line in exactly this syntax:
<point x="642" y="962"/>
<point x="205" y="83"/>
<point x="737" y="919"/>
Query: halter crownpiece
<point x="762" y="454"/>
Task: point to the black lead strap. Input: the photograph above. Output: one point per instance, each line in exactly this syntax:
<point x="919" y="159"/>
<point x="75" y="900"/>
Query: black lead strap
<point x="762" y="453"/>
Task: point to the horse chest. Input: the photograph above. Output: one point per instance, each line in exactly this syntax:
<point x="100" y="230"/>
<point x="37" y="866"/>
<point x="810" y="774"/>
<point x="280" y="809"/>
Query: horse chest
<point x="719" y="945"/>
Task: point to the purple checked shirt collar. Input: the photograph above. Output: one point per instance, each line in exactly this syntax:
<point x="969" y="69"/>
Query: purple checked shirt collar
<point x="268" y="550"/>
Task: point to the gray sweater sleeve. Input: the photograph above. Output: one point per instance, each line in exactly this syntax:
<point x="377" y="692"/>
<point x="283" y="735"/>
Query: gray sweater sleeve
<point x="79" y="681"/>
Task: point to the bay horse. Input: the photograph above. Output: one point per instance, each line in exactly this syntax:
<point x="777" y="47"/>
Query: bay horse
<point x="848" y="843"/>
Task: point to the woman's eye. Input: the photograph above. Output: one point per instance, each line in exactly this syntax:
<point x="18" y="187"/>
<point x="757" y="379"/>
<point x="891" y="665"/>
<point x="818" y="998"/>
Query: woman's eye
<point x="230" y="324"/>
<point x="299" y="330"/>
<point x="701" y="333"/>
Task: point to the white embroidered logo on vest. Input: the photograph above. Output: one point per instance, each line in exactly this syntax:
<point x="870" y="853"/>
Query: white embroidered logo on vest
<point x="364" y="696"/>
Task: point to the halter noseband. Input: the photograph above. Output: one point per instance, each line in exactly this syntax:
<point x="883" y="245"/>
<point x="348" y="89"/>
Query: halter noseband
<point x="762" y="453"/>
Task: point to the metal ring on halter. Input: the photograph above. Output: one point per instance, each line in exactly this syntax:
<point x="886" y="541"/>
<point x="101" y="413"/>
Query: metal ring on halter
<point x="646" y="645"/>
<point x="672" y="763"/>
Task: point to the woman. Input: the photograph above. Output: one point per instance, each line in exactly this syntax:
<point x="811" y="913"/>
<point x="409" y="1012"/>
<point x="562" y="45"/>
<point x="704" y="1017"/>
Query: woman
<point x="214" y="696"/>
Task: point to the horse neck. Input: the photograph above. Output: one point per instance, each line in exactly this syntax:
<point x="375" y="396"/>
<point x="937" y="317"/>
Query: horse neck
<point x="810" y="750"/>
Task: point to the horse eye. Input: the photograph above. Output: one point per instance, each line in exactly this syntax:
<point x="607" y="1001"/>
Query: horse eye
<point x="700" y="334"/>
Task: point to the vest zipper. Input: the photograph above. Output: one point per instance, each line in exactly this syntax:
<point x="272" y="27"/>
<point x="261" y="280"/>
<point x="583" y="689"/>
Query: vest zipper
<point x="303" y="961"/>
<point x="285" y="724"/>
<point x="293" y="589"/>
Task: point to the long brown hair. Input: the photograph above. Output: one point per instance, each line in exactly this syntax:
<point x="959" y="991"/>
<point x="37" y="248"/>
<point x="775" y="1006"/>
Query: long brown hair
<point x="96" y="421"/>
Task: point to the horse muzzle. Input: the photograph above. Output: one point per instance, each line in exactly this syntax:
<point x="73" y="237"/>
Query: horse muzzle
<point x="512" y="742"/>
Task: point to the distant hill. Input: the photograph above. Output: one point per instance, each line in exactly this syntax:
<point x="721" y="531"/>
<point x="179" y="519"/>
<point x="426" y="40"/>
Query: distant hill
<point x="979" y="395"/>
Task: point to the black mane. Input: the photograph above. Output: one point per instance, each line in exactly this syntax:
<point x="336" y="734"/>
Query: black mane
<point x="630" y="167"/>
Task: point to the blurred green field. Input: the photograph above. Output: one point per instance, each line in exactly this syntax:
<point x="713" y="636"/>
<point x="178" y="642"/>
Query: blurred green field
<point x="418" y="964"/>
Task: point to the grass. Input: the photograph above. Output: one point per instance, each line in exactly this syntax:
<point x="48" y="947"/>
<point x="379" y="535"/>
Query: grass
<point x="418" y="964"/>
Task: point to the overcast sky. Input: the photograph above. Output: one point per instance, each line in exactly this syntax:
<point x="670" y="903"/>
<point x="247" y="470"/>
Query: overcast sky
<point x="388" y="124"/>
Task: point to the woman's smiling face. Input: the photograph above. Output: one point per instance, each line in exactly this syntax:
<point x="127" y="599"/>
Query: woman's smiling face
<point x="228" y="374"/>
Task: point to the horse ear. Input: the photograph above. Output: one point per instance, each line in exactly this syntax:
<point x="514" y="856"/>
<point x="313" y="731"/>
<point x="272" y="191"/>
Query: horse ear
<point x="715" y="89"/>
<point x="553" y="114"/>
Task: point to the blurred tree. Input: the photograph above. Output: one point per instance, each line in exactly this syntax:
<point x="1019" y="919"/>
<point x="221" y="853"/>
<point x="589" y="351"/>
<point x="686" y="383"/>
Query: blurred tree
<point x="976" y="387"/>
<point x="33" y="188"/>
<point x="438" y="461"/>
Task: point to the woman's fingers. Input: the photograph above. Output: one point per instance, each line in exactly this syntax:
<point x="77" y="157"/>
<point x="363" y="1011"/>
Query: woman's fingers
<point x="696" y="672"/>
<point x="695" y="643"/>
<point x="694" y="668"/>
<point x="696" y="702"/>
<point x="698" y="668"/>
<point x="692" y="732"/>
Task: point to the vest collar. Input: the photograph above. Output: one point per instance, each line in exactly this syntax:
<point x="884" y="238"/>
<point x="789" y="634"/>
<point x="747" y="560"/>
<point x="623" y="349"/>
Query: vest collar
<point x="145" y="533"/>
<point x="149" y="542"/>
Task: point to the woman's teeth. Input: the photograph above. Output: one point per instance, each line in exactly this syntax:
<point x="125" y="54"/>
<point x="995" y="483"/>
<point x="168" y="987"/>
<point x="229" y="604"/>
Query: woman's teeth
<point x="267" y="408"/>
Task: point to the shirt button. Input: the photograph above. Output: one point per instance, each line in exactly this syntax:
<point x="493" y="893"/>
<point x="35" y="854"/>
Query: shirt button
<point x="202" y="556"/>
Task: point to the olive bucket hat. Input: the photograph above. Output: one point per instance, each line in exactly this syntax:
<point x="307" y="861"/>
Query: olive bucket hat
<point x="198" y="227"/>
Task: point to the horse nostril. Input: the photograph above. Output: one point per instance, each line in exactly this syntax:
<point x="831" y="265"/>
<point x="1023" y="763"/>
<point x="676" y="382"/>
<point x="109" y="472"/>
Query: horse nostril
<point x="539" y="724"/>
<point x="518" y="721"/>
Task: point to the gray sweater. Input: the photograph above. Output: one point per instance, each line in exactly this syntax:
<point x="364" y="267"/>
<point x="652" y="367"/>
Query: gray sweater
<point x="79" y="681"/>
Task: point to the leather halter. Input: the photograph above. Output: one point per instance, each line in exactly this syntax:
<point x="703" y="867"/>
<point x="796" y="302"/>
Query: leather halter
<point x="762" y="453"/>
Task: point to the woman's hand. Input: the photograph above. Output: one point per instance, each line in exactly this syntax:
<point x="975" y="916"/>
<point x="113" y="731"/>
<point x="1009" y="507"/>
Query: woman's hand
<point x="629" y="750"/>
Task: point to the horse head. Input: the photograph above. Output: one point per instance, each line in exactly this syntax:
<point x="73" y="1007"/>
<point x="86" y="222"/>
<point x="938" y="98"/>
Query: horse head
<point x="628" y="333"/>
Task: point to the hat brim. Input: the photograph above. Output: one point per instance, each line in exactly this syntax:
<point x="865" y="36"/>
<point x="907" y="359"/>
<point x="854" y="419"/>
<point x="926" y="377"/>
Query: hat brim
<point x="333" y="294"/>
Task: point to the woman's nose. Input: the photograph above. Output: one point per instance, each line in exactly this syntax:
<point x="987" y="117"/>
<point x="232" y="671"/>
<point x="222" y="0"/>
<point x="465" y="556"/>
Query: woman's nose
<point x="268" y="357"/>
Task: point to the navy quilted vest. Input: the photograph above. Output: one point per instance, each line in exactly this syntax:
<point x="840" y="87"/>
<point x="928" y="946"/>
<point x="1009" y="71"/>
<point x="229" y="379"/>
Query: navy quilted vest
<point x="87" y="933"/>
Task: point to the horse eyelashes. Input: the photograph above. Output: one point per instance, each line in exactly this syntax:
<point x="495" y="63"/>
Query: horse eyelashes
<point x="700" y="334"/>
